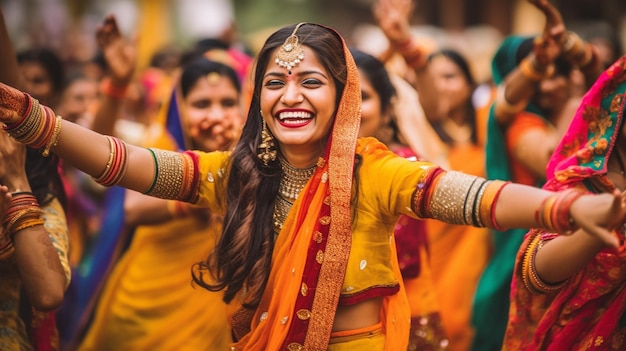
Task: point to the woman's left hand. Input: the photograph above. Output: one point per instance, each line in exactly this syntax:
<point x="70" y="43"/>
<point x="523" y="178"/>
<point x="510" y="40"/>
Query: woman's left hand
<point x="599" y="214"/>
<point x="13" y="160"/>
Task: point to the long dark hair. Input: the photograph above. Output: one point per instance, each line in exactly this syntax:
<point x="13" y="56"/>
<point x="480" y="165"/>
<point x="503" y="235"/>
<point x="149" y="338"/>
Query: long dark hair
<point x="241" y="260"/>
<point x="52" y="64"/>
<point x="44" y="177"/>
<point x="199" y="68"/>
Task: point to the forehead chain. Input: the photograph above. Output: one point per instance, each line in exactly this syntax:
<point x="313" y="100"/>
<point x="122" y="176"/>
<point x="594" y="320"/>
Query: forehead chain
<point x="290" y="54"/>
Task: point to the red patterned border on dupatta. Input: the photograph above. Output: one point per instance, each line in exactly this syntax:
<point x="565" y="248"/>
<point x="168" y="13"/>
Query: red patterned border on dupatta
<point x="340" y="171"/>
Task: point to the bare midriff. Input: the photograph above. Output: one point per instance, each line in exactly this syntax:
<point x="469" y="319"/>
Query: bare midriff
<point x="360" y="315"/>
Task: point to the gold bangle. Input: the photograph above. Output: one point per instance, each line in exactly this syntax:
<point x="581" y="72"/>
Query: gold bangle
<point x="450" y="196"/>
<point x="54" y="139"/>
<point x="107" y="167"/>
<point x="168" y="175"/>
<point x="28" y="224"/>
<point x="572" y="43"/>
<point x="529" y="69"/>
<point x="530" y="277"/>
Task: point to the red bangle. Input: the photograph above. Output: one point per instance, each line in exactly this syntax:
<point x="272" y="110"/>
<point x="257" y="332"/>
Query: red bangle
<point x="111" y="90"/>
<point x="492" y="211"/>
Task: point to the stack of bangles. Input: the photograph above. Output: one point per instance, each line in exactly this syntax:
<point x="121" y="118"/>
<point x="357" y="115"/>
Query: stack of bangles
<point x="457" y="198"/>
<point x="579" y="52"/>
<point x="38" y="128"/>
<point x="554" y="212"/>
<point x="533" y="70"/>
<point x="413" y="53"/>
<point x="530" y="277"/>
<point x="24" y="212"/>
<point x="117" y="164"/>
<point x="112" y="90"/>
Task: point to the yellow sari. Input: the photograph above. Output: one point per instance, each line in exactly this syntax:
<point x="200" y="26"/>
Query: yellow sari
<point x="149" y="303"/>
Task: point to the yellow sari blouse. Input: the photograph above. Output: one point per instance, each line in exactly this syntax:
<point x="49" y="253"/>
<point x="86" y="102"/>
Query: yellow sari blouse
<point x="387" y="183"/>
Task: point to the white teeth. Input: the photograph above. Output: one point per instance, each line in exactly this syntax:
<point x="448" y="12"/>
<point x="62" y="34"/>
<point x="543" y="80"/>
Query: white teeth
<point x="294" y="114"/>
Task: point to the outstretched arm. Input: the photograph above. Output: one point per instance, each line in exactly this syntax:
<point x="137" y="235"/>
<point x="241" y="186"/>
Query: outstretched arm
<point x="91" y="152"/>
<point x="597" y="214"/>
<point x="458" y="198"/>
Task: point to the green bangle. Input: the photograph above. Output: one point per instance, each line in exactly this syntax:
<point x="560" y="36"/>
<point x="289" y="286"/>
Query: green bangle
<point x="156" y="172"/>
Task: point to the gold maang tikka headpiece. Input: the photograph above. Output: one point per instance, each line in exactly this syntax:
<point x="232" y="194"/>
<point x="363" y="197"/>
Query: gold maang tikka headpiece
<point x="213" y="78"/>
<point x="290" y="53"/>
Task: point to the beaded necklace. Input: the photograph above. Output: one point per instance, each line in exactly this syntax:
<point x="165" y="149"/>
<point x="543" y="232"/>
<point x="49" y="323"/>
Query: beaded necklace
<point x="291" y="184"/>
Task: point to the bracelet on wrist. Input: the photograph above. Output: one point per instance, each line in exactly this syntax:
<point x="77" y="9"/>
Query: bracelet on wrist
<point x="413" y="53"/>
<point x="533" y="71"/>
<point x="112" y="90"/>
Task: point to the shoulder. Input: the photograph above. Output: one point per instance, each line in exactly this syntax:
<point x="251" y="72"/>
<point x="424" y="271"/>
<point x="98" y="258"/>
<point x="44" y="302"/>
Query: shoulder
<point x="369" y="145"/>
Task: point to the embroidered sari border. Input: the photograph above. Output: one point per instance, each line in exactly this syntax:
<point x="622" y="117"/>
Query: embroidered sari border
<point x="341" y="164"/>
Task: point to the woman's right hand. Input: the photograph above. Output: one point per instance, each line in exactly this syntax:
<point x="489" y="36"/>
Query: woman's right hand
<point x="13" y="160"/>
<point x="393" y="18"/>
<point x="13" y="104"/>
<point x="548" y="48"/>
<point x="120" y="54"/>
<point x="599" y="214"/>
<point x="554" y="27"/>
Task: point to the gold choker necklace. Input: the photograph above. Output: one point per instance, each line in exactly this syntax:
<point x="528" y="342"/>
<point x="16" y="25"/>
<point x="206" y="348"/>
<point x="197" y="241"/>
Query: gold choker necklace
<point x="291" y="184"/>
<point x="293" y="180"/>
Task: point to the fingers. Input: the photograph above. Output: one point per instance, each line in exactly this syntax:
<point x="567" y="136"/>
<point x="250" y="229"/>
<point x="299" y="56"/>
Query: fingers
<point x="108" y="31"/>
<point x="617" y="209"/>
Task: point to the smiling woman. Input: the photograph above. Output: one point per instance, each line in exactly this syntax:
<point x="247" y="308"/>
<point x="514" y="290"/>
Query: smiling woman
<point x="328" y="277"/>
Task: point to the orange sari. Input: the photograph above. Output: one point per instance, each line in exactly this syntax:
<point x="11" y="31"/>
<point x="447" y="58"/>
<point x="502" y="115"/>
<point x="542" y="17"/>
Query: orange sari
<point x="458" y="256"/>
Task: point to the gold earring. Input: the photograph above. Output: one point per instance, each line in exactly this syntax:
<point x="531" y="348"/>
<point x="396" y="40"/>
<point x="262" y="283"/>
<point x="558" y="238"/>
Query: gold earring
<point x="267" y="152"/>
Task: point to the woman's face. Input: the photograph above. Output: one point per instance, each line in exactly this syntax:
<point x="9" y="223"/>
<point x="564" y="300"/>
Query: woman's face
<point x="450" y="82"/>
<point x="78" y="100"/>
<point x="299" y="107"/>
<point x="553" y="94"/>
<point x="371" y="116"/>
<point x="213" y="113"/>
<point x="37" y="81"/>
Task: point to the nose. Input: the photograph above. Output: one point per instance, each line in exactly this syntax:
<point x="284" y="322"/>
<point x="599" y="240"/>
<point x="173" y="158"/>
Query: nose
<point x="213" y="116"/>
<point x="292" y="95"/>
